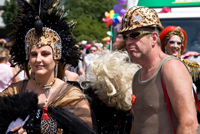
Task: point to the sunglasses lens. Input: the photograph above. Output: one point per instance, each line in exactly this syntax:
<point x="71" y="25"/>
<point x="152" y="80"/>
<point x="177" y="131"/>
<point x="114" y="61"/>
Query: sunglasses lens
<point x="134" y="35"/>
<point x="124" y="37"/>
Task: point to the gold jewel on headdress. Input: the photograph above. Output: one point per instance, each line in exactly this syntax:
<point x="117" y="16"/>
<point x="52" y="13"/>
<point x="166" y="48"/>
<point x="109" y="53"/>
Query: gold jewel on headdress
<point x="46" y="87"/>
<point x="49" y="37"/>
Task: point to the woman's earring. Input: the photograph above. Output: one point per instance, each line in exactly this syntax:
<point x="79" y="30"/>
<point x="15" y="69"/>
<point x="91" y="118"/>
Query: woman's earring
<point x="56" y="70"/>
<point x="165" y="50"/>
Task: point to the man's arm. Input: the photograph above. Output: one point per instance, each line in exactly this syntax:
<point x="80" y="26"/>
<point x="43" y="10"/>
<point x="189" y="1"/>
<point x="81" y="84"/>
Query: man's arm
<point x="179" y="88"/>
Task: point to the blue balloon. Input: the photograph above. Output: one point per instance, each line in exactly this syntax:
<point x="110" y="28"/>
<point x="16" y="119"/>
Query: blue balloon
<point x="123" y="2"/>
<point x="122" y="12"/>
<point x="116" y="20"/>
<point x="117" y="8"/>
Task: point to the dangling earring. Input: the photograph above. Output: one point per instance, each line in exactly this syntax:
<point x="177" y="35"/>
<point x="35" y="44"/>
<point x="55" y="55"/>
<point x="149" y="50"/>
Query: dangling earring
<point x="56" y="70"/>
<point x="165" y="50"/>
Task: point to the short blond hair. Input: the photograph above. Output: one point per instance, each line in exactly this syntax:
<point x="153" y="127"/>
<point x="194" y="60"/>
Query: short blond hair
<point x="4" y="53"/>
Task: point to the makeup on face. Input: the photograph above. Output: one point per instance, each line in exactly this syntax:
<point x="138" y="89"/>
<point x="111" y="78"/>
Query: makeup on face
<point x="173" y="46"/>
<point x="173" y="42"/>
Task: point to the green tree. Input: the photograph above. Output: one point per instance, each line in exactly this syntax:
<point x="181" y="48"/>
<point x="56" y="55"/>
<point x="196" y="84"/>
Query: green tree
<point x="88" y="14"/>
<point x="10" y="11"/>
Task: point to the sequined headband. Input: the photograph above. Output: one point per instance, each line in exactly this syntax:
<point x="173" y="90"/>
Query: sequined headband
<point x="49" y="37"/>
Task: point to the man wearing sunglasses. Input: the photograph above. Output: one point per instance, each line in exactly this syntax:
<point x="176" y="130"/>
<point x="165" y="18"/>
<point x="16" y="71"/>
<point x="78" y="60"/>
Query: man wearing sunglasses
<point x="160" y="72"/>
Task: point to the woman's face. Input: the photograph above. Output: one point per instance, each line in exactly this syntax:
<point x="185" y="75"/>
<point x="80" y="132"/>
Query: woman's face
<point x="41" y="60"/>
<point x="173" y="46"/>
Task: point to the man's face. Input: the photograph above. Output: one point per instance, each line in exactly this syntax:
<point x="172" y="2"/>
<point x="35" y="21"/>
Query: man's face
<point x="93" y="50"/>
<point x="138" y="47"/>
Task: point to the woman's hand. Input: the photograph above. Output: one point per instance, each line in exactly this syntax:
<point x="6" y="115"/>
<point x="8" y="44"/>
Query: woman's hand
<point x="18" y="130"/>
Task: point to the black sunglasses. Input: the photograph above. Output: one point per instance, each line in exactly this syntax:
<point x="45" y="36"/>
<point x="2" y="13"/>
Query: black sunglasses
<point x="135" y="35"/>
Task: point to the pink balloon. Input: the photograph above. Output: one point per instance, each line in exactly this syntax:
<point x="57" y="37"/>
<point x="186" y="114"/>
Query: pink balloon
<point x="123" y="2"/>
<point x="117" y="8"/>
<point x="122" y="12"/>
<point x="119" y="18"/>
<point x="87" y="46"/>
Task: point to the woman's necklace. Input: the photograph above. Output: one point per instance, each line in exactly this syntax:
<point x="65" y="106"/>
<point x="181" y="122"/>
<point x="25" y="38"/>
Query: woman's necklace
<point x="46" y="87"/>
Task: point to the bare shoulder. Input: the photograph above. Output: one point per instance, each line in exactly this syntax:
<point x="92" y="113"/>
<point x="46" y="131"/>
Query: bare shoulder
<point x="174" y="65"/>
<point x="175" y="69"/>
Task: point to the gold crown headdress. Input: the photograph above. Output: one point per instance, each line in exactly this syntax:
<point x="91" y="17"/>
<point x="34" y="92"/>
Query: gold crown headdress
<point x="49" y="37"/>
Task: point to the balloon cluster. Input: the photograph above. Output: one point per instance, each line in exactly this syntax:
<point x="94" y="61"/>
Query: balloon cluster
<point x="114" y="17"/>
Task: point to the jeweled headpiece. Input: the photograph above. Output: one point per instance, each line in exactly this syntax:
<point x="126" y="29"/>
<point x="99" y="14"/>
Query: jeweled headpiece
<point x="43" y="22"/>
<point x="49" y="37"/>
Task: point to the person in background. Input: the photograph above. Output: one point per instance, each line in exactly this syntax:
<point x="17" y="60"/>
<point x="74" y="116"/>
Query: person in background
<point x="44" y="103"/>
<point x="93" y="53"/>
<point x="20" y="72"/>
<point x="2" y="42"/>
<point x="7" y="73"/>
<point x="195" y="43"/>
<point x="160" y="72"/>
<point x="73" y="73"/>
<point x="81" y="48"/>
<point x="94" y="41"/>
<point x="173" y="42"/>
<point x="99" y="46"/>
<point x="119" y="45"/>
<point x="93" y="49"/>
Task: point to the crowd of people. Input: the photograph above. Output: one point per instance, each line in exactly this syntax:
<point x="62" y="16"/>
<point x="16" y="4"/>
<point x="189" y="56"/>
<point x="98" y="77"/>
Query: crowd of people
<point x="49" y="84"/>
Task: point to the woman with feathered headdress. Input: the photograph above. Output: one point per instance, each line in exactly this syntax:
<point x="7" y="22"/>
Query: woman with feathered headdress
<point x="43" y="44"/>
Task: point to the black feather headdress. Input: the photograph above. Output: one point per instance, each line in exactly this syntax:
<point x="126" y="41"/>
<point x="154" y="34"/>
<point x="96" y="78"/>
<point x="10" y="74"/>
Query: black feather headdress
<point x="40" y="15"/>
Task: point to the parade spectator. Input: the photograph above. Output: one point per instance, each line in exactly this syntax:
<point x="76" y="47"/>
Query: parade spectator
<point x="93" y="49"/>
<point x="7" y="73"/>
<point x="119" y="45"/>
<point x="140" y="28"/>
<point x="77" y="71"/>
<point x="93" y="53"/>
<point x="94" y="41"/>
<point x="2" y="42"/>
<point x="44" y="103"/>
<point x="195" y="43"/>
<point x="99" y="46"/>
<point x="173" y="42"/>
